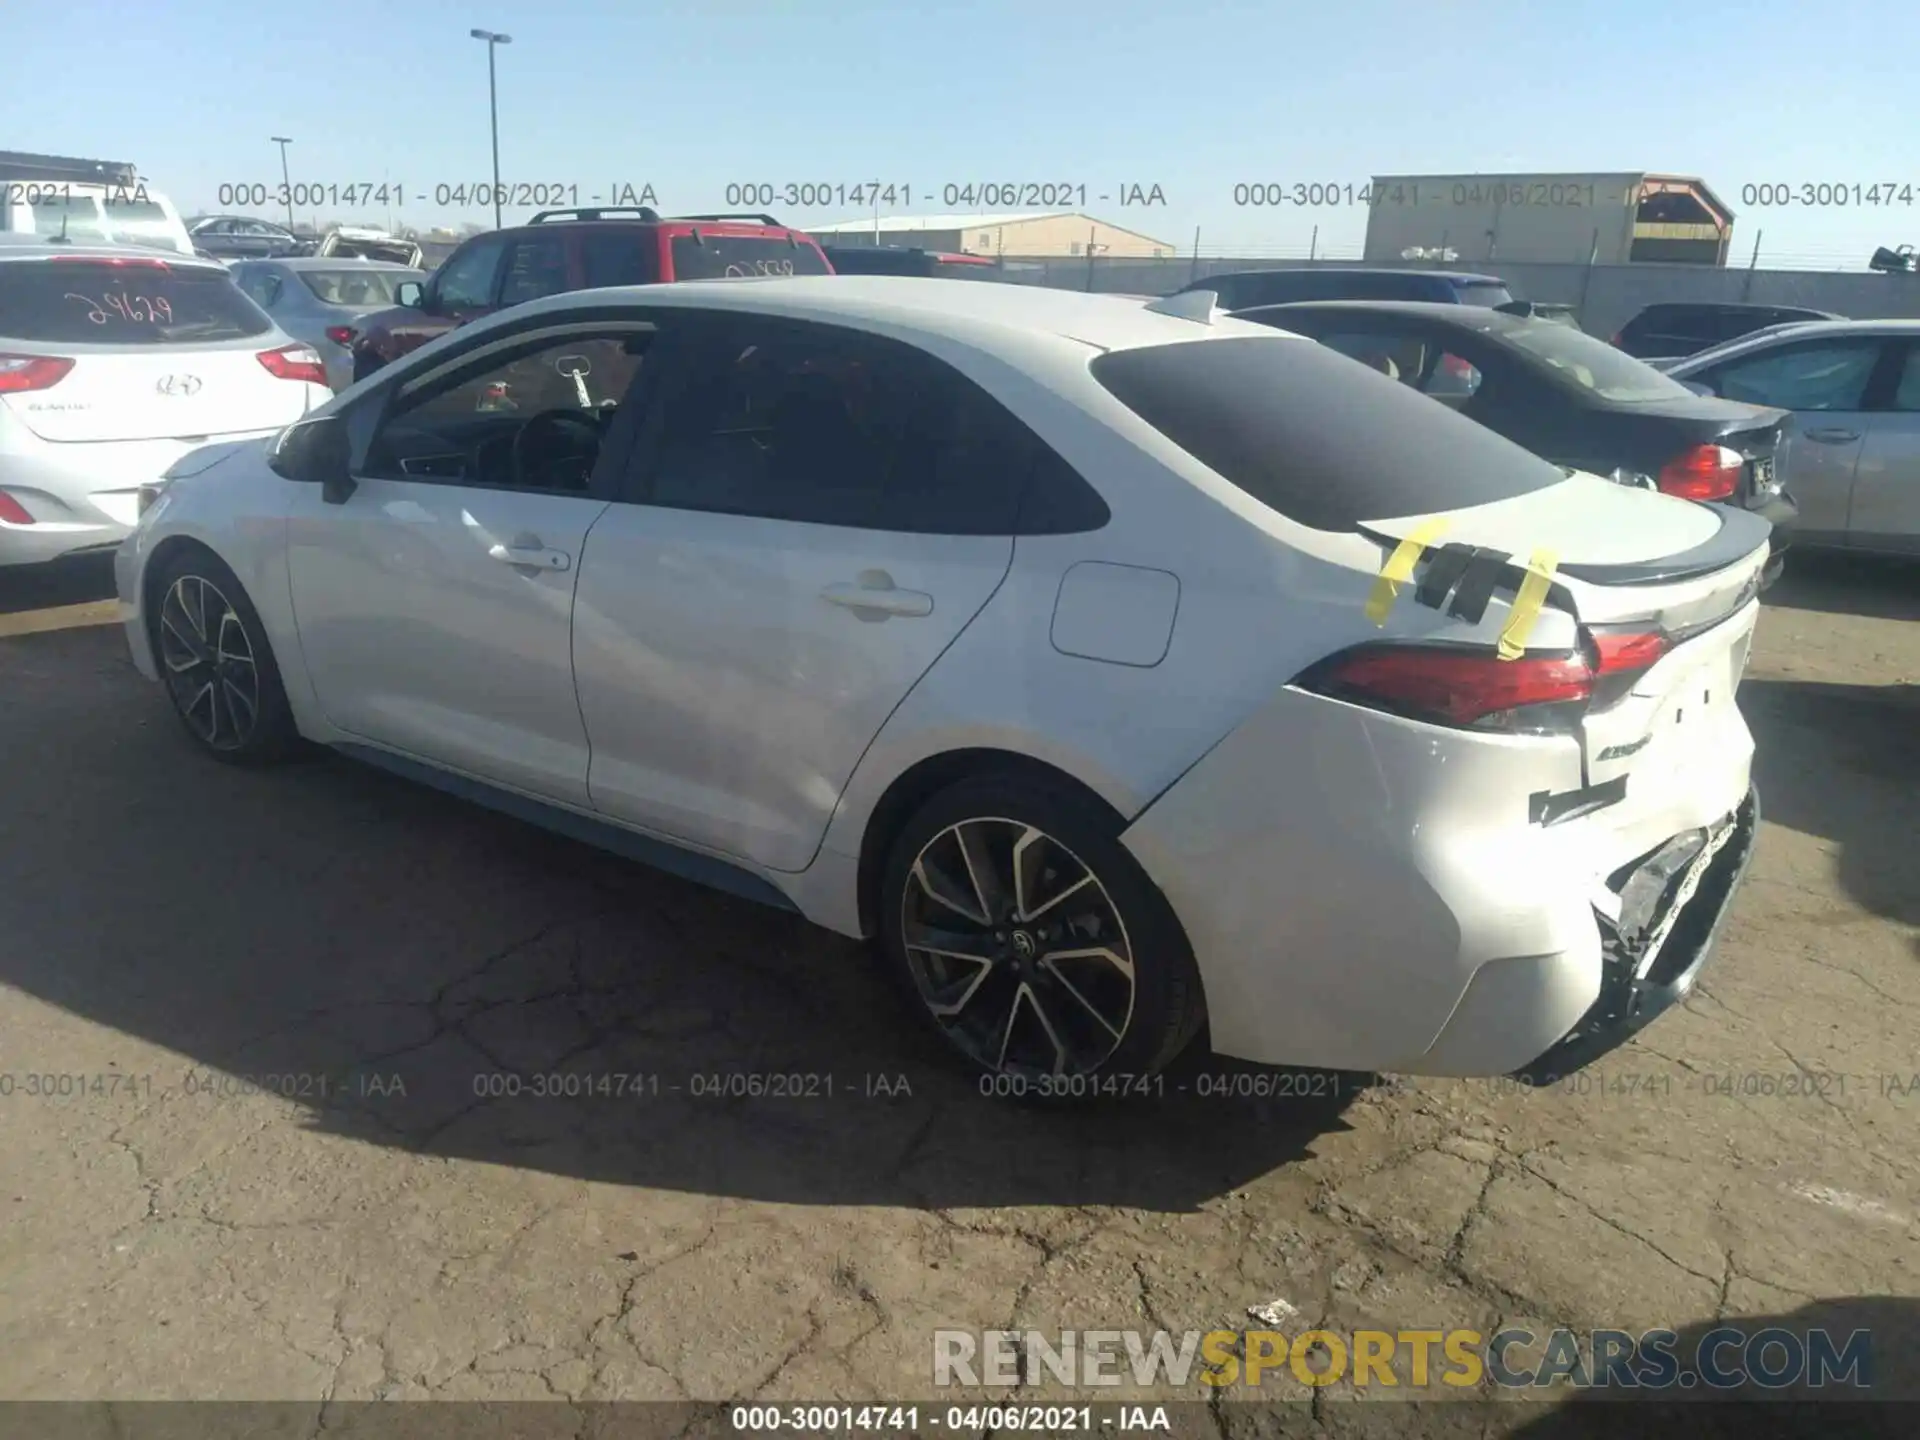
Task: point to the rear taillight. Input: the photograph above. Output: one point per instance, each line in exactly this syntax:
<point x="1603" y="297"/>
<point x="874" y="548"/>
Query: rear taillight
<point x="12" y="511"/>
<point x="340" y="334"/>
<point x="21" y="373"/>
<point x="1706" y="472"/>
<point x="1454" y="365"/>
<point x="1620" y="656"/>
<point x="1468" y="688"/>
<point x="295" y="362"/>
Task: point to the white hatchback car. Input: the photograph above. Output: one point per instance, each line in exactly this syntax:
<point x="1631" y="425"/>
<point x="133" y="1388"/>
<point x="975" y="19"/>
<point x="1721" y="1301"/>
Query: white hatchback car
<point x="115" y="362"/>
<point x="1123" y="668"/>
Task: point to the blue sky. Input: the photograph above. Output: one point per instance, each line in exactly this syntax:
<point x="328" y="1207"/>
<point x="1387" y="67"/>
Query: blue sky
<point x="1194" y="98"/>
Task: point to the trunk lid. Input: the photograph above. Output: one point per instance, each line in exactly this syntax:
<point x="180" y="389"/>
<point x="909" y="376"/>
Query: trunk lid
<point x="166" y="395"/>
<point x="1627" y="563"/>
<point x="159" y="350"/>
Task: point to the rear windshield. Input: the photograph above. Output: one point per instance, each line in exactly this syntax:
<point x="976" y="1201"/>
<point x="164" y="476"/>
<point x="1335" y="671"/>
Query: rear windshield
<point x="397" y="252"/>
<point x="1576" y="358"/>
<point x="1488" y="295"/>
<point x="77" y="217"/>
<point x="77" y="302"/>
<point x="356" y="287"/>
<point x="1308" y="433"/>
<point x="736" y="257"/>
<point x="140" y="222"/>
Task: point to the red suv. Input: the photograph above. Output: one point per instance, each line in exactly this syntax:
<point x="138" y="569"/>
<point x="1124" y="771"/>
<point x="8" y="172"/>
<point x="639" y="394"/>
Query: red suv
<point x="561" y="250"/>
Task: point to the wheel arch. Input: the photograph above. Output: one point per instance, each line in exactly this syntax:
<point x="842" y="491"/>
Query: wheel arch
<point x="155" y="569"/>
<point x="921" y="781"/>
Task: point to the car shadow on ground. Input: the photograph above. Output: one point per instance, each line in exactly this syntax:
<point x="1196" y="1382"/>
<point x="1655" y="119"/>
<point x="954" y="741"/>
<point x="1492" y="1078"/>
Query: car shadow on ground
<point x="1842" y="762"/>
<point x="1885" y="1405"/>
<point x="1836" y="583"/>
<point x="423" y="974"/>
<point x="76" y="581"/>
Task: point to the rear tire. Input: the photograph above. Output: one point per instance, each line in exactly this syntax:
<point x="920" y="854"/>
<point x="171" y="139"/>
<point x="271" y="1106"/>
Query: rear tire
<point x="1034" y="944"/>
<point x="218" y="668"/>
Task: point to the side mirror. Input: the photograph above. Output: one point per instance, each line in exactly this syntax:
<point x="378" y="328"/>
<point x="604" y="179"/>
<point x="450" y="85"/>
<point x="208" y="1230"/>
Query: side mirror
<point x="411" y="293"/>
<point x="314" y="452"/>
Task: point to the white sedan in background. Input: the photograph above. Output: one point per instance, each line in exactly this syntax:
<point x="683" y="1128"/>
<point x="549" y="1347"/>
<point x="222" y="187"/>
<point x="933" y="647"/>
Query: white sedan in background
<point x="114" y="363"/>
<point x="1127" y="671"/>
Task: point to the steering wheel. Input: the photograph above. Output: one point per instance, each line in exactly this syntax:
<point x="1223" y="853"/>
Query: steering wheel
<point x="552" y="423"/>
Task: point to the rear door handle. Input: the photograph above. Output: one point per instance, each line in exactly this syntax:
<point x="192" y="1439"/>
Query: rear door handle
<point x="877" y="595"/>
<point x="531" y="556"/>
<point x="1831" y="435"/>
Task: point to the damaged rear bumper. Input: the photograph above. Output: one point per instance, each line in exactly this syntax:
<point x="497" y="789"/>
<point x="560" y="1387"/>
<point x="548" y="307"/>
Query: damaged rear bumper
<point x="1672" y="904"/>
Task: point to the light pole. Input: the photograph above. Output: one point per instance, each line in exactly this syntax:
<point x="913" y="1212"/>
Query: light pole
<point x="494" y="41"/>
<point x="283" y="141"/>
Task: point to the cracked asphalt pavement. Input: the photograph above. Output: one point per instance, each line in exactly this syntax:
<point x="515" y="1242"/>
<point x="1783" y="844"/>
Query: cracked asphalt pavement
<point x="381" y="1215"/>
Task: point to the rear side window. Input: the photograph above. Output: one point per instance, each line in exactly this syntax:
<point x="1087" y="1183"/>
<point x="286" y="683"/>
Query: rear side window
<point x="360" y="288"/>
<point x="615" y="259"/>
<point x="1488" y="295"/>
<point x="77" y="217"/>
<point x="737" y="257"/>
<point x="536" y="267"/>
<point x="77" y="302"/>
<point x="1312" y="436"/>
<point x="145" y="222"/>
<point x="811" y="423"/>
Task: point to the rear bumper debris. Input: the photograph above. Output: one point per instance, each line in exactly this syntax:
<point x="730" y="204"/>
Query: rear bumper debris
<point x="1673" y="903"/>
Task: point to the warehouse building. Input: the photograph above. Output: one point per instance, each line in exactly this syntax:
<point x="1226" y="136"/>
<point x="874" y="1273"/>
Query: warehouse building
<point x="1611" y="219"/>
<point x="1029" y="234"/>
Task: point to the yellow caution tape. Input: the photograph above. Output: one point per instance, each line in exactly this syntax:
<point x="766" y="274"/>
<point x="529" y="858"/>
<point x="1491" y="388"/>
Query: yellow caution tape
<point x="1399" y="567"/>
<point x="1527" y="603"/>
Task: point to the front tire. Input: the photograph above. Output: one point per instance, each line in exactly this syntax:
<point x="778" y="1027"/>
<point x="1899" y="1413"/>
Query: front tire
<point x="219" y="670"/>
<point x="1032" y="942"/>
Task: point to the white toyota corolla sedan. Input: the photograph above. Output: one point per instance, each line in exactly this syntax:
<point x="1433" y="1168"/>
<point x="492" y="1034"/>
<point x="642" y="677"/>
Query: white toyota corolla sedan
<point x="1125" y="670"/>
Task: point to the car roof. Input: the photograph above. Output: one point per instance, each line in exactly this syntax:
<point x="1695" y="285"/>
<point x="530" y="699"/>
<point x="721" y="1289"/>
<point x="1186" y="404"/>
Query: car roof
<point x="1740" y="307"/>
<point x="1460" y="277"/>
<point x="629" y="222"/>
<point x="17" y="246"/>
<point x="1004" y="318"/>
<point x="328" y="262"/>
<point x="1469" y="316"/>
<point x="1775" y="335"/>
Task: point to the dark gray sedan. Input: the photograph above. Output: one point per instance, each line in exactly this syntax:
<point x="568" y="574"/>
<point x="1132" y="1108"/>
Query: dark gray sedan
<point x="319" y="300"/>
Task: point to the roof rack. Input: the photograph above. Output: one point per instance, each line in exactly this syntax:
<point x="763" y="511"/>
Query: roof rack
<point x="597" y="212"/>
<point x="756" y="219"/>
<point x="66" y="169"/>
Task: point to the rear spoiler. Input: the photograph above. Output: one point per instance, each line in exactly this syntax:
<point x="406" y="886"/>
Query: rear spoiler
<point x="1740" y="533"/>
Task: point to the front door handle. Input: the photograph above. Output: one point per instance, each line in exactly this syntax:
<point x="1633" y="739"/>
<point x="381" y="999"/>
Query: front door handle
<point x="1831" y="435"/>
<point x="531" y="556"/>
<point x="876" y="595"/>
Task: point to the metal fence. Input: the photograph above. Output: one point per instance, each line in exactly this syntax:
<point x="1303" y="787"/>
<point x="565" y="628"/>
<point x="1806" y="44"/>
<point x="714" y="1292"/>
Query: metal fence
<point x="1603" y="296"/>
